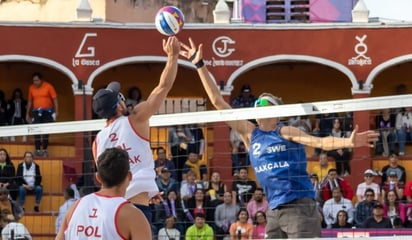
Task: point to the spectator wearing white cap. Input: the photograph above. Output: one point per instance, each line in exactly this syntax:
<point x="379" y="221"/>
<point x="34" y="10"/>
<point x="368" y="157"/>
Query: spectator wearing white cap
<point x="368" y="176"/>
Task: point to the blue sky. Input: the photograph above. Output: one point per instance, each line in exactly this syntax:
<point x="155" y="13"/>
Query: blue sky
<point x="390" y="9"/>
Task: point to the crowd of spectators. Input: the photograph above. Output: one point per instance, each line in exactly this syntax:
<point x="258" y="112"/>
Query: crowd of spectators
<point x="197" y="202"/>
<point x="201" y="206"/>
<point x="394" y="126"/>
<point x="377" y="204"/>
<point x="197" y="206"/>
<point x="20" y="181"/>
<point x="15" y="184"/>
<point x="41" y="106"/>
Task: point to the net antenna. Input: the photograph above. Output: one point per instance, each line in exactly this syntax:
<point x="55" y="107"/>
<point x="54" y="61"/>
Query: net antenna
<point x="162" y="120"/>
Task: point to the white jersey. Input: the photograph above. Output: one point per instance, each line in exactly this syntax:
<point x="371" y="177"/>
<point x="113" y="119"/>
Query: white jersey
<point x="120" y="133"/>
<point x="94" y="217"/>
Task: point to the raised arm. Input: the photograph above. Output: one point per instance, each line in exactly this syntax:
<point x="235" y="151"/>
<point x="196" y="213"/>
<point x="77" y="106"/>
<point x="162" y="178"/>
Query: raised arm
<point x="195" y="55"/>
<point x="363" y="139"/>
<point x="146" y="109"/>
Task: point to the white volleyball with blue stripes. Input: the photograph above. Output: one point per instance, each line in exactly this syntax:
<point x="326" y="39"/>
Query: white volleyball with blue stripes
<point x="169" y="20"/>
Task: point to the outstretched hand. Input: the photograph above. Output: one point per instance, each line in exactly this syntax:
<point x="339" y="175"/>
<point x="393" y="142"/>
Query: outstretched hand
<point x="192" y="53"/>
<point x="364" y="139"/>
<point x="171" y="46"/>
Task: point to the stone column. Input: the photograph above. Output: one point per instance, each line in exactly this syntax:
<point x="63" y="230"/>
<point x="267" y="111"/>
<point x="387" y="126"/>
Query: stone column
<point x="84" y="11"/>
<point x="360" y="13"/>
<point x="237" y="16"/>
<point x="221" y="13"/>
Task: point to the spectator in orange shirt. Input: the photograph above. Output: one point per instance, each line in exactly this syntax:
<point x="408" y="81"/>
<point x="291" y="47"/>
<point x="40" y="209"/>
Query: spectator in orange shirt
<point x="241" y="229"/>
<point x="42" y="101"/>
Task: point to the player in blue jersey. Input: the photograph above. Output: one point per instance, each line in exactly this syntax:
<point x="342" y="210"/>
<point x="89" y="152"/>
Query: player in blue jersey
<point x="277" y="154"/>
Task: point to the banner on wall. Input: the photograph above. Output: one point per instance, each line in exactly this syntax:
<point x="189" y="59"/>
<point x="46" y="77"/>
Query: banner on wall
<point x="254" y="11"/>
<point x="331" y="10"/>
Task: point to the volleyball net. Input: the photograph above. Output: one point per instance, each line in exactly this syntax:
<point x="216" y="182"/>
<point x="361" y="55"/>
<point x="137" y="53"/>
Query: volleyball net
<point x="67" y="164"/>
<point x="287" y="110"/>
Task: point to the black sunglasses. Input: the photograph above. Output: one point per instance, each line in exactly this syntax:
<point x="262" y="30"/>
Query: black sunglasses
<point x="120" y="98"/>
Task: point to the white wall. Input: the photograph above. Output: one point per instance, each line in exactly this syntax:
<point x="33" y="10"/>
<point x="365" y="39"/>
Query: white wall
<point x="48" y="11"/>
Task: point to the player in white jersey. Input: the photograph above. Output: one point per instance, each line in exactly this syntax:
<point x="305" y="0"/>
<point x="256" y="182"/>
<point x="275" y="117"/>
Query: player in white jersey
<point x="106" y="214"/>
<point x="131" y="132"/>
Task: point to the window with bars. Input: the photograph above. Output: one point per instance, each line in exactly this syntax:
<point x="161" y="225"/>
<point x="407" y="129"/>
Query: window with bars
<point x="159" y="135"/>
<point x="181" y="105"/>
<point x="287" y="11"/>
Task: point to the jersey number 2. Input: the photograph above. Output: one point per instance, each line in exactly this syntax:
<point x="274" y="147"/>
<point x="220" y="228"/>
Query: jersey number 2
<point x="256" y="148"/>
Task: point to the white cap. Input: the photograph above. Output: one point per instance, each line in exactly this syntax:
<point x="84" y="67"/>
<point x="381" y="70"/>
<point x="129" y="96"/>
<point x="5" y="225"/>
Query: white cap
<point x="370" y="171"/>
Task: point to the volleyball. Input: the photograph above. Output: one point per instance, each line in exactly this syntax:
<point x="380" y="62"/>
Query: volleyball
<point x="169" y="20"/>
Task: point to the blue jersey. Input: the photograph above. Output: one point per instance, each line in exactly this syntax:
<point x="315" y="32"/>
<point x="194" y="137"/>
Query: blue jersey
<point x="280" y="167"/>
